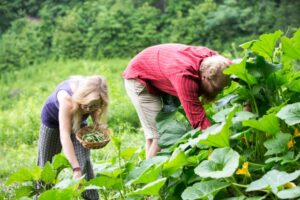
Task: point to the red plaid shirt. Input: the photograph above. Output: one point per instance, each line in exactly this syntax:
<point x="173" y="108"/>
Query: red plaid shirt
<point x="173" y="69"/>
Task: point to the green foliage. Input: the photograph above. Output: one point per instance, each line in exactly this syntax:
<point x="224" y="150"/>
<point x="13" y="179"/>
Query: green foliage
<point x="67" y="37"/>
<point x="290" y="114"/>
<point x="278" y="144"/>
<point x="46" y="176"/>
<point x="268" y="124"/>
<point x="151" y="188"/>
<point x="222" y="164"/>
<point x="266" y="44"/>
<point x="56" y="194"/>
<point x="97" y="29"/>
<point x="203" y="190"/>
<point x="273" y="179"/>
<point x="22" y="45"/>
<point x="122" y="32"/>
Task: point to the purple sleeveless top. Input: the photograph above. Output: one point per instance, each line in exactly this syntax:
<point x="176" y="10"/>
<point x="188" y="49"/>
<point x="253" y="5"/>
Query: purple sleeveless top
<point x="50" y="109"/>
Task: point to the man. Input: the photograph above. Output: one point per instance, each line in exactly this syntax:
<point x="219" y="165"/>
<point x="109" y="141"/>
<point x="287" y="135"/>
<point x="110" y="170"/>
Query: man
<point x="175" y="69"/>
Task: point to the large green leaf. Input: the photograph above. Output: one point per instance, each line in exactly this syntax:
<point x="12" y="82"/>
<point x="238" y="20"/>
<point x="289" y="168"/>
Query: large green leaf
<point x="105" y="181"/>
<point x="268" y="123"/>
<point x="221" y="115"/>
<point x="176" y="161"/>
<point x="261" y="69"/>
<point x="24" y="191"/>
<point x="57" y="195"/>
<point x="144" y="166"/>
<point x="24" y="174"/>
<point x="72" y="184"/>
<point x="48" y="173"/>
<point x="289" y="157"/>
<point x="203" y="190"/>
<point x="277" y="145"/>
<point x="290" y="114"/>
<point x="242" y="116"/>
<point x="149" y="175"/>
<point x="218" y="134"/>
<point x="241" y="72"/>
<point x="128" y="153"/>
<point x="151" y="188"/>
<point x="294" y="85"/>
<point x="289" y="193"/>
<point x="247" y="45"/>
<point x="291" y="47"/>
<point x="169" y="128"/>
<point x="244" y="198"/>
<point x="266" y="44"/>
<point x="60" y="162"/>
<point x="108" y="169"/>
<point x="223" y="163"/>
<point x="273" y="179"/>
<point x="224" y="101"/>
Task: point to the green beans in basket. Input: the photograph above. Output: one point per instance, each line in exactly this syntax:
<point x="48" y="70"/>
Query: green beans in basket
<point x="93" y="137"/>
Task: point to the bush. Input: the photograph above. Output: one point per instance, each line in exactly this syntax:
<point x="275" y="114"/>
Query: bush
<point x="22" y="45"/>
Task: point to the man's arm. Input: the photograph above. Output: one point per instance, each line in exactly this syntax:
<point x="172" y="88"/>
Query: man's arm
<point x="187" y="89"/>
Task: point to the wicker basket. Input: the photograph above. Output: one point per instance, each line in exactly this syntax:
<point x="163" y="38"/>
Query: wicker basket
<point x="93" y="145"/>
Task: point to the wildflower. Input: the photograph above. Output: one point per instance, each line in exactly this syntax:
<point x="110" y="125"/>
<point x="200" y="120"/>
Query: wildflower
<point x="297" y="133"/>
<point x="244" y="170"/>
<point x="291" y="143"/>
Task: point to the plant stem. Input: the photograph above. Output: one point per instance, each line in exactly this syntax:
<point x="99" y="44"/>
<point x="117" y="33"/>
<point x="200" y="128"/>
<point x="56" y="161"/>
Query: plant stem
<point x="239" y="185"/>
<point x="232" y="180"/>
<point x="253" y="101"/>
<point x="122" y="183"/>
<point x="255" y="164"/>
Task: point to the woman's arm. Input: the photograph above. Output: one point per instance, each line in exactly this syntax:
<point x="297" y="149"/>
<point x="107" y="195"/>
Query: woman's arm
<point x="65" y="129"/>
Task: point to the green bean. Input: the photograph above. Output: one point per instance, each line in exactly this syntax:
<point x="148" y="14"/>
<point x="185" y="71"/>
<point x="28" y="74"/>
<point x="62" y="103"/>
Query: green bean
<point x="95" y="136"/>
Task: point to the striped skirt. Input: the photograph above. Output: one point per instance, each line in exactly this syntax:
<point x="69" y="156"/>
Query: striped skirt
<point x="49" y="144"/>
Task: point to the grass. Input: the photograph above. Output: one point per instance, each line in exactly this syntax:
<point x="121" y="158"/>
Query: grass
<point x="23" y="94"/>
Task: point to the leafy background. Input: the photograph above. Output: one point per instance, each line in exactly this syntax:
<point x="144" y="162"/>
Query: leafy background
<point x="44" y="42"/>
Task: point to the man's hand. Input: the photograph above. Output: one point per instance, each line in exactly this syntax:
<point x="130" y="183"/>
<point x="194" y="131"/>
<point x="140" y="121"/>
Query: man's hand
<point x="247" y="107"/>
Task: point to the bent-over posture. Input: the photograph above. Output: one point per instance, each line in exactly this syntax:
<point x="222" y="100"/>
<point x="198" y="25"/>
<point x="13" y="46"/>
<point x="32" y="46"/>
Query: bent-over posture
<point x="184" y="71"/>
<point x="64" y="112"/>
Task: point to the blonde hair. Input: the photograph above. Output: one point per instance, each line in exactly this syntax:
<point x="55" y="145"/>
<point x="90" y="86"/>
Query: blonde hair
<point x="212" y="68"/>
<point x="86" y="90"/>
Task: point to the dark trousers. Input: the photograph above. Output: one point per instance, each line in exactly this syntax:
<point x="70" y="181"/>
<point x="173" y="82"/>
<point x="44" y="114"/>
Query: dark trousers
<point x="49" y="145"/>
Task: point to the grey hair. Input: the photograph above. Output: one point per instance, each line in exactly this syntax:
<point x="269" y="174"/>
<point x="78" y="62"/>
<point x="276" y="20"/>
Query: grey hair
<point x="212" y="68"/>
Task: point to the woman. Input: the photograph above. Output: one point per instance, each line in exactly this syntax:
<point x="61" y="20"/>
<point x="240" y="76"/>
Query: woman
<point x="65" y="111"/>
<point x="184" y="71"/>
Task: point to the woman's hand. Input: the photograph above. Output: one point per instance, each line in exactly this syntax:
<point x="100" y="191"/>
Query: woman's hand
<point x="77" y="173"/>
<point x="99" y="125"/>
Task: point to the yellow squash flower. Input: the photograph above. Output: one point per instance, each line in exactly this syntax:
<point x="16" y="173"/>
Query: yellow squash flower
<point x="297" y="133"/>
<point x="291" y="143"/>
<point x="244" y="170"/>
<point x="289" y="185"/>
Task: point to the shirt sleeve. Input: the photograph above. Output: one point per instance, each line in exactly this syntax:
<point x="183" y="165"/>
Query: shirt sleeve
<point x="187" y="89"/>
